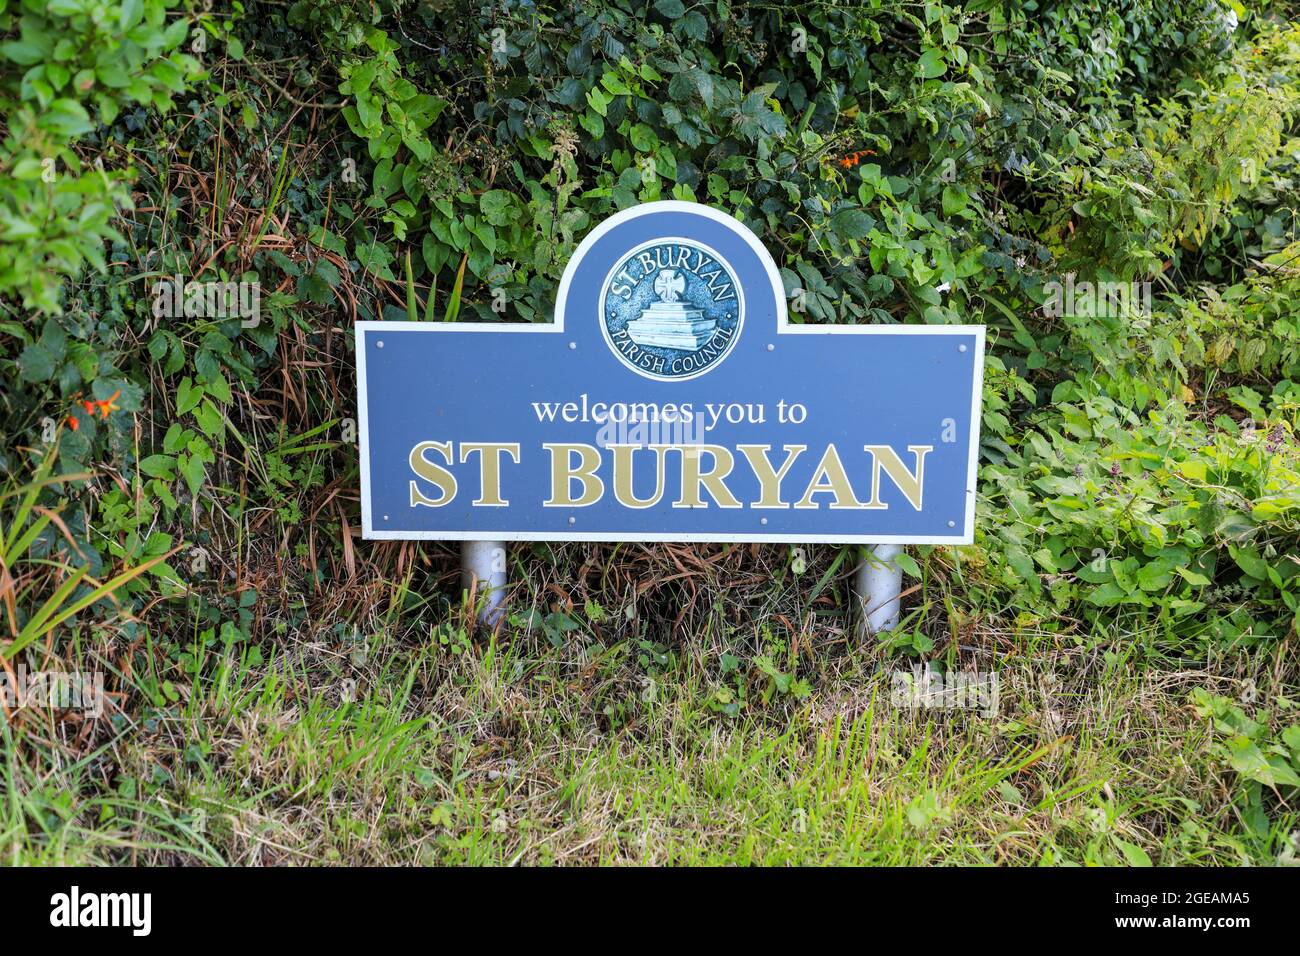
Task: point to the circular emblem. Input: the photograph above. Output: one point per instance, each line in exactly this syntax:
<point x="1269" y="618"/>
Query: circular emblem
<point x="672" y="309"/>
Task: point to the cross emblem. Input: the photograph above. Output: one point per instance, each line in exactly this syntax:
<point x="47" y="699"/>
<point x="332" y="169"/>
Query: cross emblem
<point x="669" y="285"/>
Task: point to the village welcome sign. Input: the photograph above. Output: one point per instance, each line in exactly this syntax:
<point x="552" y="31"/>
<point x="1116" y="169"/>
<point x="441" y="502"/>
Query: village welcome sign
<point x="670" y="400"/>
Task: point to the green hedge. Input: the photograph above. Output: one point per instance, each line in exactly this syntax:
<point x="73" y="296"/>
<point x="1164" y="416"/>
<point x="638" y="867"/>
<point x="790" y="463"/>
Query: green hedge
<point x="915" y="162"/>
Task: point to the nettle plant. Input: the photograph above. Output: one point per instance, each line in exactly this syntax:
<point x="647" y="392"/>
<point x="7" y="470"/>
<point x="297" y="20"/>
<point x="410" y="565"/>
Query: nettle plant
<point x="1102" y="510"/>
<point x="1265" y="758"/>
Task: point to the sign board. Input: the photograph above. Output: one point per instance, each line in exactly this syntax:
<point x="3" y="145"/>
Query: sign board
<point x="670" y="400"/>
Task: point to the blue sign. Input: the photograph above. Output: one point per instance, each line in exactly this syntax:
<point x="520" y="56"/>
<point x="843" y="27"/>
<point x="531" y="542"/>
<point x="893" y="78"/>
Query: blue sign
<point x="670" y="400"/>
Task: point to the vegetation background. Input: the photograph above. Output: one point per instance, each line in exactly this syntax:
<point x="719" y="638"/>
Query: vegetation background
<point x="179" y="511"/>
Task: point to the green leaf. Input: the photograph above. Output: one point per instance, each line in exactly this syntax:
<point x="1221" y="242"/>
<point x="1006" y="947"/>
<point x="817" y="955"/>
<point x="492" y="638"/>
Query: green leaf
<point x="1248" y="761"/>
<point x="592" y="123"/>
<point x="908" y="564"/>
<point x="130" y="14"/>
<point x="36" y="364"/>
<point x="496" y="205"/>
<point x="598" y="100"/>
<point x="1135" y="855"/>
<point x="209" y="419"/>
<point x="23" y="52"/>
<point x="852" y="224"/>
<point x="453" y="303"/>
<point x="931" y="64"/>
<point x="954" y="200"/>
<point x="1248" y="560"/>
<point x="191" y="467"/>
<point x="188" y="396"/>
<point x="158" y="466"/>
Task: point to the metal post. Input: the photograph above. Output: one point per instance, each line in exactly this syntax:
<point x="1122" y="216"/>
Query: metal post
<point x="876" y="587"/>
<point x="485" y="561"/>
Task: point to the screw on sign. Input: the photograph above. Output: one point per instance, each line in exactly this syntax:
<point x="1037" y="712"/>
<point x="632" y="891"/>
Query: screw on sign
<point x="671" y="400"/>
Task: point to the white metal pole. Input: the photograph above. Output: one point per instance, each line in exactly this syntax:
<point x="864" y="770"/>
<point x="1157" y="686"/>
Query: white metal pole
<point x="485" y="562"/>
<point x="876" y="586"/>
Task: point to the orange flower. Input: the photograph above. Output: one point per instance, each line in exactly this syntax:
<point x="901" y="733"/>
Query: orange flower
<point x="852" y="159"/>
<point x="105" y="405"/>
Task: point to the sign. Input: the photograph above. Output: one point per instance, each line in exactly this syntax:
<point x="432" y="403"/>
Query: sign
<point x="670" y="400"/>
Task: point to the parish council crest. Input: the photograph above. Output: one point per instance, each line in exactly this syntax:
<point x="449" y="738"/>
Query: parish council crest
<point x="672" y="309"/>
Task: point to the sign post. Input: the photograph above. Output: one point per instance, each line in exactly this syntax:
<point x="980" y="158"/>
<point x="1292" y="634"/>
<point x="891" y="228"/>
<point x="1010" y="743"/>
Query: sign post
<point x="877" y="584"/>
<point x="483" y="574"/>
<point x="671" y="400"/>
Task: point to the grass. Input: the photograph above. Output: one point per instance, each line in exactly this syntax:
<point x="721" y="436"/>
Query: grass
<point x="415" y="744"/>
